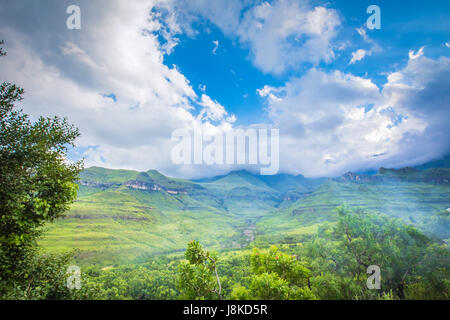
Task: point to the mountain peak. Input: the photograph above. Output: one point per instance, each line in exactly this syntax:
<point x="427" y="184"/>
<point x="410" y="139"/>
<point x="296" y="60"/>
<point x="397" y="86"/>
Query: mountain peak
<point x="242" y="173"/>
<point x="155" y="174"/>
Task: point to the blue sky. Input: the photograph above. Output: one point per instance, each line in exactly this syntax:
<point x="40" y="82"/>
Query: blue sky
<point x="233" y="80"/>
<point x="344" y="97"/>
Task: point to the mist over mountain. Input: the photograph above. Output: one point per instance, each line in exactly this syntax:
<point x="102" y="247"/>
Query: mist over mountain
<point x="443" y="162"/>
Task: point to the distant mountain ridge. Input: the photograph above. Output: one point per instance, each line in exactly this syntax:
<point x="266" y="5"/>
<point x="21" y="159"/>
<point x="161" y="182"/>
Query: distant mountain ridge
<point x="432" y="175"/>
<point x="444" y="162"/>
<point x="277" y="185"/>
<point x="436" y="171"/>
<point x="280" y="182"/>
<point x="127" y="216"/>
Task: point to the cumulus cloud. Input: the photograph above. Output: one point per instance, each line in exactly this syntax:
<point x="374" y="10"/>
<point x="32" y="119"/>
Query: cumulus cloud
<point x="420" y="90"/>
<point x="281" y="34"/>
<point x="285" y="34"/>
<point x="119" y="51"/>
<point x="332" y="122"/>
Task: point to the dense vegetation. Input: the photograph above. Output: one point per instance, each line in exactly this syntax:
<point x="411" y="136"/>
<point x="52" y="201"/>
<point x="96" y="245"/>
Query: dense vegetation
<point x="331" y="264"/>
<point x="37" y="186"/>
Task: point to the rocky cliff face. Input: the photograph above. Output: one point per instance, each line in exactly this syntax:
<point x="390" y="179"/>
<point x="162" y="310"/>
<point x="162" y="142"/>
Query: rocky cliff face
<point x="146" y="186"/>
<point x="350" y="176"/>
<point x="99" y="185"/>
<point x="140" y="185"/>
<point x="132" y="184"/>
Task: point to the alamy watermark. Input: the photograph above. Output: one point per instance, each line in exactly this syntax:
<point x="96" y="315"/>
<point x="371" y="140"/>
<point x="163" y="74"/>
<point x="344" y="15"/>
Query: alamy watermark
<point x="73" y="277"/>
<point x="374" y="280"/>
<point x="234" y="147"/>
<point x="374" y="21"/>
<point x="73" y="22"/>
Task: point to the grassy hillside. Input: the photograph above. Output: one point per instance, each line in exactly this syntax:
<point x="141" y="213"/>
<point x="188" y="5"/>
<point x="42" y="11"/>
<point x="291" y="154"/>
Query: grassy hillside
<point x="119" y="217"/>
<point x="413" y="202"/>
<point x="124" y="216"/>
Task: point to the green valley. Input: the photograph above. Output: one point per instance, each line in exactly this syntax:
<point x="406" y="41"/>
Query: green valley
<point x="123" y="216"/>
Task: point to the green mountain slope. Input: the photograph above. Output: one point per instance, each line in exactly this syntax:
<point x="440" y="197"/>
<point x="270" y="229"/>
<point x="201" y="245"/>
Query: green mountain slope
<point x="244" y="194"/>
<point x="123" y="216"/>
<point x="411" y="195"/>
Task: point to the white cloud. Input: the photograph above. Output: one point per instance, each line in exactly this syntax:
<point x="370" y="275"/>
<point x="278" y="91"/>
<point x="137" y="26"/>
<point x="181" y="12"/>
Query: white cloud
<point x="358" y="56"/>
<point x="285" y="34"/>
<point x="270" y="93"/>
<point x="119" y="54"/>
<point x="212" y="110"/>
<point x="281" y="35"/>
<point x="319" y="116"/>
<point x="363" y="33"/>
<point x="331" y="122"/>
<point x="414" y="55"/>
<point x="71" y="49"/>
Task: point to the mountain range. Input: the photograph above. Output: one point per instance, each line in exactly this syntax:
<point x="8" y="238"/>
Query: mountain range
<point x="128" y="216"/>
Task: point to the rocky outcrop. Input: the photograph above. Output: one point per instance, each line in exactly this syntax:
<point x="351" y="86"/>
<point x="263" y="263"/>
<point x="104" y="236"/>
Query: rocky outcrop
<point x="99" y="185"/>
<point x="140" y="185"/>
<point x="350" y="176"/>
<point x="146" y="186"/>
<point x="93" y="217"/>
<point x="176" y="192"/>
<point x="133" y="184"/>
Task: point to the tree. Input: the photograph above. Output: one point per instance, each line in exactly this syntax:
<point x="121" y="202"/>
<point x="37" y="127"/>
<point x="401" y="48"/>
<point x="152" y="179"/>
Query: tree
<point x="276" y="276"/>
<point x="37" y="184"/>
<point x="411" y="264"/>
<point x="198" y="277"/>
